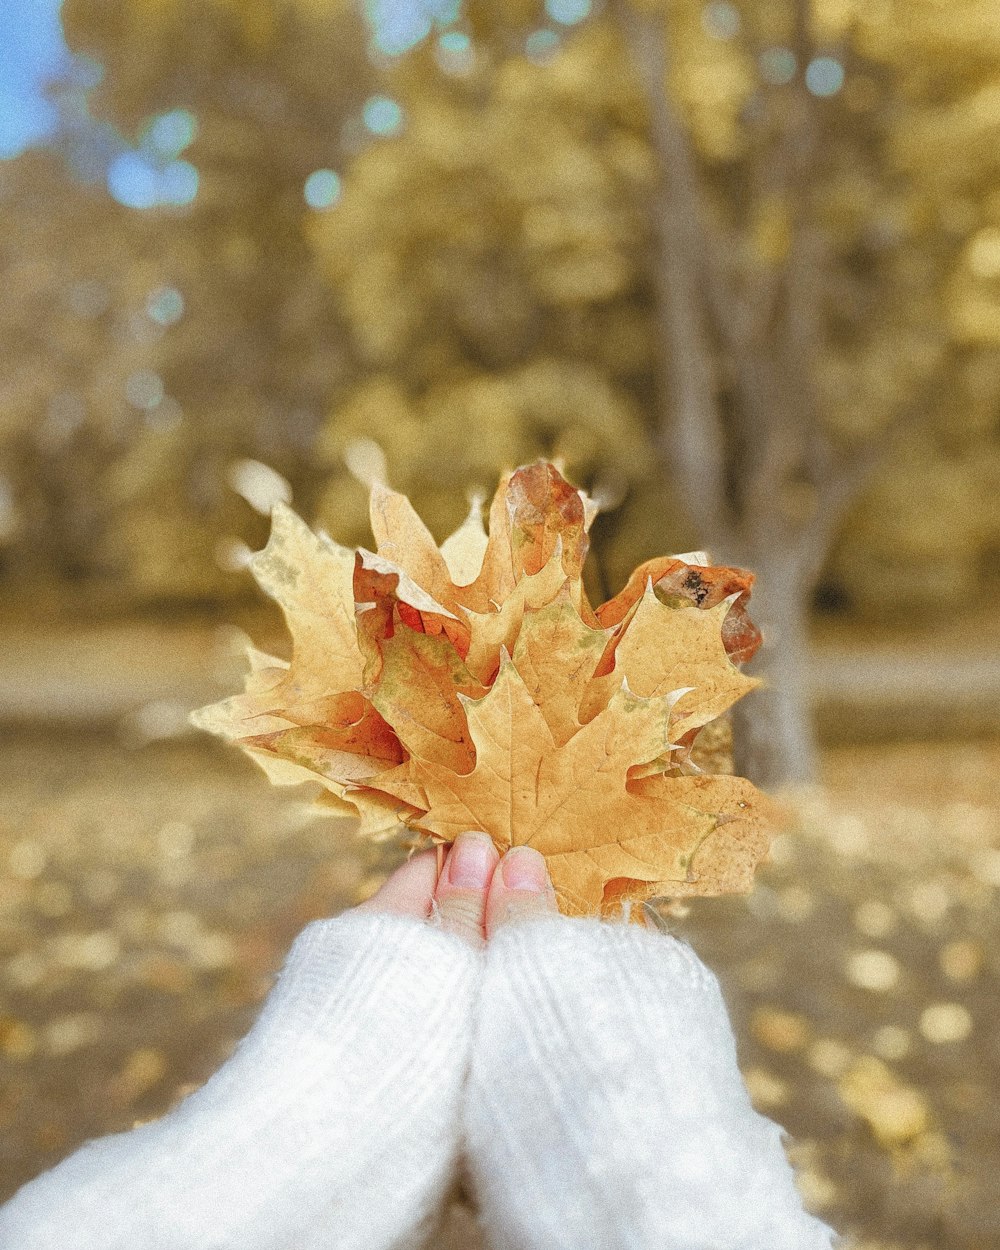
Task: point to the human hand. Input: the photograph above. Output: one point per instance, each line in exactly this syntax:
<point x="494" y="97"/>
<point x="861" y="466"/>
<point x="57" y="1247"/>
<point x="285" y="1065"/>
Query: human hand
<point x="591" y="1066"/>
<point x="337" y="1121"/>
<point x="605" y="1109"/>
<point x="476" y="891"/>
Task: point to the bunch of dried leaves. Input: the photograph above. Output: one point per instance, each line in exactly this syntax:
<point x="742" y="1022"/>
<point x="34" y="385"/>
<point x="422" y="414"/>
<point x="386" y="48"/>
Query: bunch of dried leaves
<point x="473" y="686"/>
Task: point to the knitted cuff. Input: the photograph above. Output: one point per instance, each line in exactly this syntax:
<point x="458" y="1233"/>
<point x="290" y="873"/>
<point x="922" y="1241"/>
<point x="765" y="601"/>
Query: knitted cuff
<point x="605" y="1107"/>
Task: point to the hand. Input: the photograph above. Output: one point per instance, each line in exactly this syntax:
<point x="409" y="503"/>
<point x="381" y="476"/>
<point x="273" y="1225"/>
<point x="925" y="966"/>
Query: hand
<point x="335" y="1125"/>
<point x="604" y="1108"/>
<point x="476" y="891"/>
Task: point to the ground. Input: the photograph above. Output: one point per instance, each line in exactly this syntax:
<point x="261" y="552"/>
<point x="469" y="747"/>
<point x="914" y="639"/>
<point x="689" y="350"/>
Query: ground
<point x="149" y="891"/>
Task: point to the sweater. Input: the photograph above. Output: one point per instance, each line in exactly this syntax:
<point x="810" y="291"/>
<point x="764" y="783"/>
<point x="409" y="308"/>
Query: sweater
<point x="581" y="1074"/>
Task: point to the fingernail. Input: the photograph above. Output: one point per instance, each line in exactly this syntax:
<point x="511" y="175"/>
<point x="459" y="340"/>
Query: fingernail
<point x="471" y="862"/>
<point x="524" y="869"/>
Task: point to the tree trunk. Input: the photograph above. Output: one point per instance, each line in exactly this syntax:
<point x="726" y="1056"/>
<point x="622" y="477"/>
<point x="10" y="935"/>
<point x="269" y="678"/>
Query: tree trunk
<point x="773" y="732"/>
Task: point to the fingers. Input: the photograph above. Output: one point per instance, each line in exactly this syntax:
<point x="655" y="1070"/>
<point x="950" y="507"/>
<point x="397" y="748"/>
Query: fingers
<point x="521" y="889"/>
<point x="461" y="889"/>
<point x="408" y="892"/>
<point x="476" y="891"/>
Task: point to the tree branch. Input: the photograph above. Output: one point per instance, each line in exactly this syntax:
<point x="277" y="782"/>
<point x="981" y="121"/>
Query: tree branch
<point x="692" y="429"/>
<point x="792" y="432"/>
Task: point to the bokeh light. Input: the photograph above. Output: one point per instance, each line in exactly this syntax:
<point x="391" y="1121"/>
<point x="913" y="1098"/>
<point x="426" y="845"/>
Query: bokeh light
<point x="133" y="181"/>
<point x="322" y="188"/>
<point x="170" y="133"/>
<point x="455" y="53"/>
<point x="568" y="12"/>
<point x="178" y="183"/>
<point x="136" y="182"/>
<point x="165" y="305"/>
<point x="34" y="54"/>
<point x="721" y="20"/>
<point x="398" y="25"/>
<point x="383" y="115"/>
<point x="541" y="45"/>
<point x="824" y="76"/>
<point x="777" y="66"/>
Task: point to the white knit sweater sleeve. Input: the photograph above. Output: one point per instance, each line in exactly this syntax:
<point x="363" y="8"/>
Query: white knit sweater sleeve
<point x="605" y="1109"/>
<point x="336" y="1122"/>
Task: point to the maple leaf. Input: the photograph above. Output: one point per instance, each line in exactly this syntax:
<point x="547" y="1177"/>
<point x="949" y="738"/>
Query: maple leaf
<point x="557" y="690"/>
<point x="665" y="648"/>
<point x="312" y="579"/>
<point x="421" y="682"/>
<point x="465" y="550"/>
<point x="473" y="686"/>
<point x="674" y="578"/>
<point x="496" y="630"/>
<point x="404" y="543"/>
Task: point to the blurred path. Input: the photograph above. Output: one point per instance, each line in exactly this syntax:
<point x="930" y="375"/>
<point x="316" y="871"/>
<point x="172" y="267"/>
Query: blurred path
<point x="102" y="674"/>
<point x="868" y="693"/>
<point x="149" y="674"/>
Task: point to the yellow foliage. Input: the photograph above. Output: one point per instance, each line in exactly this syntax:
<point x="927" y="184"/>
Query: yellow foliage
<point x="485" y="290"/>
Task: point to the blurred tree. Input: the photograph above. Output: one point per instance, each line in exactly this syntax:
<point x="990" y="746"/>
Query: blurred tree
<point x="271" y="86"/>
<point x="802" y="270"/>
<point x="719" y="258"/>
<point x="715" y="197"/>
<point x="486" y="262"/>
<point x="216" y="340"/>
<point x="927" y="531"/>
<point x="68" y="353"/>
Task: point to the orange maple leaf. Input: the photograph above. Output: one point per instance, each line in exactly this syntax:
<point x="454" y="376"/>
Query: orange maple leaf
<point x="473" y="686"/>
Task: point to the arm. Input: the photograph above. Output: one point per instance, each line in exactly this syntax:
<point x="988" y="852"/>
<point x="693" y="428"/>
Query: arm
<point x="605" y="1108"/>
<point x="334" y="1124"/>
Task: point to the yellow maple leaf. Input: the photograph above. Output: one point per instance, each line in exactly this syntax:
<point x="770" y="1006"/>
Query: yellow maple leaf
<point x="421" y="681"/>
<point x="556" y="689"/>
<point x="496" y="630"/>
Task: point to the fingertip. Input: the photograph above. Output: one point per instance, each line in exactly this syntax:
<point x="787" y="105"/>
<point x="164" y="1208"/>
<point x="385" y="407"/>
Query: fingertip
<point x="409" y="890"/>
<point x="521" y="889"/>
